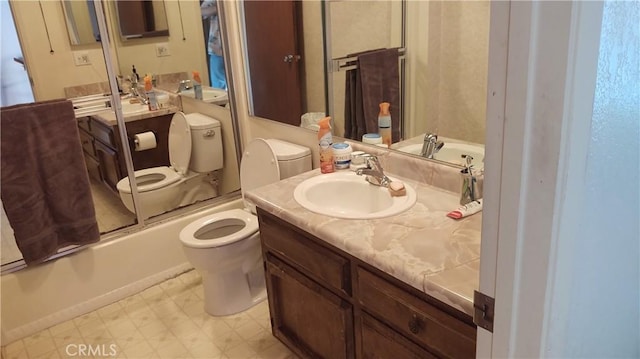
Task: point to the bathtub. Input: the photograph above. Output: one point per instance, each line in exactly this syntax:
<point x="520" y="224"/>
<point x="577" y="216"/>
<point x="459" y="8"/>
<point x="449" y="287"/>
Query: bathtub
<point x="37" y="298"/>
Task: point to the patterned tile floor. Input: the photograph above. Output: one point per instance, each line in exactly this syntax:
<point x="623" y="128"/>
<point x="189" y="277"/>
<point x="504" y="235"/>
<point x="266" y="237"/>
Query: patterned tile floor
<point x="164" y="321"/>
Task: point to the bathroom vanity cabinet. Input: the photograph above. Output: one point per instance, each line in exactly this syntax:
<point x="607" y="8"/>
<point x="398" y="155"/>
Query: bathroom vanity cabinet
<point x="326" y="303"/>
<point x="103" y="150"/>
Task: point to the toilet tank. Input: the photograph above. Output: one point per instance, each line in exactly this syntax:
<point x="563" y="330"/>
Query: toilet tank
<point x="292" y="159"/>
<point x="206" y="143"/>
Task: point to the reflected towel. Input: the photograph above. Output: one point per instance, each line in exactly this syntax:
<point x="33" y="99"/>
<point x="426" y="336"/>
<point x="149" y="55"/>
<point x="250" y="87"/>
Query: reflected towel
<point x="354" y="125"/>
<point x="380" y="77"/>
<point x="45" y="186"/>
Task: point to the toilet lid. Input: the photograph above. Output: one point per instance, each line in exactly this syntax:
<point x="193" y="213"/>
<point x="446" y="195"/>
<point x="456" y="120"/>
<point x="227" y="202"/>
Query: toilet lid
<point x="179" y="143"/>
<point x="149" y="179"/>
<point x="259" y="166"/>
<point x="219" y="229"/>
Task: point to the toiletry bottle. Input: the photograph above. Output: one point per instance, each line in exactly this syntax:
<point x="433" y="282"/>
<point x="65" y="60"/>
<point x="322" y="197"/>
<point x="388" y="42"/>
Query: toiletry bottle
<point x="151" y="95"/>
<point x="325" y="140"/>
<point x="197" y="85"/>
<point x="384" y="123"/>
<point x="134" y="73"/>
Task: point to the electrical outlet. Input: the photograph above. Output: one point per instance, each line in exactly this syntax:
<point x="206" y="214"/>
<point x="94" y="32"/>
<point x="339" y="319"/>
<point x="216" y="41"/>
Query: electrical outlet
<point x="162" y="50"/>
<point x="81" y="58"/>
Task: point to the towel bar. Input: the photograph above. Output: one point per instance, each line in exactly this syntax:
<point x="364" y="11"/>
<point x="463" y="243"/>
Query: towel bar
<point x="350" y="62"/>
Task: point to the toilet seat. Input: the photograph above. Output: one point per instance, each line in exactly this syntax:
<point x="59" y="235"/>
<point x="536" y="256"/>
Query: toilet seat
<point x="219" y="229"/>
<point x="179" y="143"/>
<point x="150" y="179"/>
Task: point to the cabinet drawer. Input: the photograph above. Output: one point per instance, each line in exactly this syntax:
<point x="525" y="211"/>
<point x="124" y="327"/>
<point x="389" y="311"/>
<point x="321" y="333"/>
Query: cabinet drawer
<point x="316" y="261"/>
<point x="103" y="133"/>
<point x="87" y="143"/>
<point x="442" y="333"/>
<point x="379" y="341"/>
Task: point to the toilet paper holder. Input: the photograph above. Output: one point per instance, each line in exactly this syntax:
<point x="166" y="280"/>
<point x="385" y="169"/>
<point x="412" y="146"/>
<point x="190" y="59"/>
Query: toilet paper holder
<point x="134" y="143"/>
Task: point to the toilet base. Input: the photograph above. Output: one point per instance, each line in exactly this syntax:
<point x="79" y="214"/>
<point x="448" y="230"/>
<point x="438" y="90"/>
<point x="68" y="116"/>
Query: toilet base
<point x="234" y="291"/>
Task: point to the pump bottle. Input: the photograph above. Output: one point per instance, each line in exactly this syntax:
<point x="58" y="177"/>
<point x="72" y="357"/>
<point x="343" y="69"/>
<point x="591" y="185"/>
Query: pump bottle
<point x="152" y="100"/>
<point x="325" y="140"/>
<point x="197" y="85"/>
<point x="384" y="123"/>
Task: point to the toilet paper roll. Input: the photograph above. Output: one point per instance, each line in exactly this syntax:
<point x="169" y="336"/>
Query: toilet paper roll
<point x="145" y="141"/>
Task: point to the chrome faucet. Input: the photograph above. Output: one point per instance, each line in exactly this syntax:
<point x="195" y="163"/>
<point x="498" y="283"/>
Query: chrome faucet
<point x="184" y="85"/>
<point x="431" y="145"/>
<point x="374" y="172"/>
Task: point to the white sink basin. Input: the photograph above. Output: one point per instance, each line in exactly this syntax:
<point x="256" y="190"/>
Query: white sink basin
<point x="347" y="195"/>
<point x="209" y="95"/>
<point x="133" y="108"/>
<point x="452" y="153"/>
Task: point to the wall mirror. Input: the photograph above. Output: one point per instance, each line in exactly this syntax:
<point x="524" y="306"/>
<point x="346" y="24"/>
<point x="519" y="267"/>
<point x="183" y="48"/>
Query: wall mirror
<point x="443" y="85"/>
<point x="187" y="53"/>
<point x="142" y="18"/>
<point x="82" y="24"/>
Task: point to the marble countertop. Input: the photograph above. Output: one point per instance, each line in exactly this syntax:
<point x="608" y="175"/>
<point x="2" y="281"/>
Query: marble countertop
<point x="108" y="117"/>
<point x="421" y="246"/>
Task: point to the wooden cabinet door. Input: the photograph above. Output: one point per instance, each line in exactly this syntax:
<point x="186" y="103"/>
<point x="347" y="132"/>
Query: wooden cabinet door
<point x="312" y="321"/>
<point x="109" y="165"/>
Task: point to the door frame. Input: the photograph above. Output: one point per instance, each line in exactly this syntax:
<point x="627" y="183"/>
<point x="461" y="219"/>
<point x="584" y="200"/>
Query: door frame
<point x="536" y="152"/>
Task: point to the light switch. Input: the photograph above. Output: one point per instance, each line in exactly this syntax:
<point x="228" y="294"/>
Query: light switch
<point x="162" y="49"/>
<point x="81" y="58"/>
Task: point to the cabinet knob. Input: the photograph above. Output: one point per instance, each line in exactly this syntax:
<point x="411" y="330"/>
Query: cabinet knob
<point x="415" y="324"/>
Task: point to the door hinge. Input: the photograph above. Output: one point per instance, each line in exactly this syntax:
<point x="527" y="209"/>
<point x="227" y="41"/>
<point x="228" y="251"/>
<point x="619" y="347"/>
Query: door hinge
<point x="483" y="310"/>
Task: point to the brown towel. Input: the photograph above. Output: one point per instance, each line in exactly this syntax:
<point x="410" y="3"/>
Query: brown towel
<point x="45" y="186"/>
<point x="380" y="79"/>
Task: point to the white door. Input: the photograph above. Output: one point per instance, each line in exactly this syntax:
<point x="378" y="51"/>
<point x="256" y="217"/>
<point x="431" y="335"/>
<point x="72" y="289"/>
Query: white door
<point x="540" y="145"/>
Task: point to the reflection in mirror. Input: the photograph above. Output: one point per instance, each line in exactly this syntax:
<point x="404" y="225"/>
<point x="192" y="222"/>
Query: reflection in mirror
<point x="446" y="61"/>
<point x="286" y="62"/>
<point x="82" y="24"/>
<point x="142" y="18"/>
<point x="102" y="147"/>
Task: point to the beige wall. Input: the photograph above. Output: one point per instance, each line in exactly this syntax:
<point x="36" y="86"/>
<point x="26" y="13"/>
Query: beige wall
<point x="187" y="54"/>
<point x="314" y="55"/>
<point x="51" y="72"/>
<point x="455" y="71"/>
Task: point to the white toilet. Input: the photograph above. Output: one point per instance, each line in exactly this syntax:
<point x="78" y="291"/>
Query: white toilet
<point x="195" y="151"/>
<point x="225" y="247"/>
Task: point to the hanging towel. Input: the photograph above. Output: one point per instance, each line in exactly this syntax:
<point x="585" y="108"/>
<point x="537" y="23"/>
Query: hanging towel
<point x="380" y="82"/>
<point x="354" y="126"/>
<point x="45" y="186"/>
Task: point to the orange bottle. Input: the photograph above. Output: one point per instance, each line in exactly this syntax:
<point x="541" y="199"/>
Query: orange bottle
<point x="325" y="140"/>
<point x="197" y="85"/>
<point x="152" y="100"/>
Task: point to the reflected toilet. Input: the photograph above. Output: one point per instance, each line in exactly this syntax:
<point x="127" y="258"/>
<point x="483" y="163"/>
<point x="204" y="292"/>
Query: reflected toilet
<point x="195" y="151"/>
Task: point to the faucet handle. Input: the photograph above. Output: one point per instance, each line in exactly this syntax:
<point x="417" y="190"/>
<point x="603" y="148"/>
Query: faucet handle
<point x="373" y="163"/>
